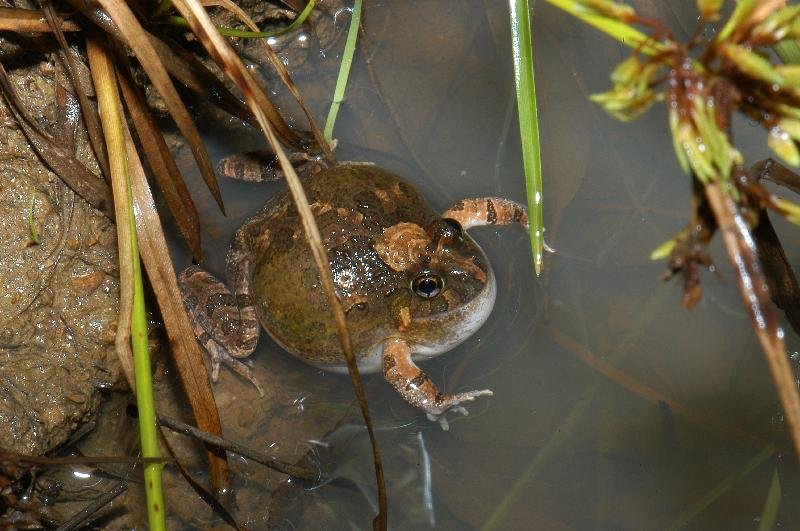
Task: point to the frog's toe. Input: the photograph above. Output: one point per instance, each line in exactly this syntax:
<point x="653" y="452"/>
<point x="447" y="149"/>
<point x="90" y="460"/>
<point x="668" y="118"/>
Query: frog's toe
<point x="243" y="368"/>
<point x="444" y="404"/>
<point x="246" y="372"/>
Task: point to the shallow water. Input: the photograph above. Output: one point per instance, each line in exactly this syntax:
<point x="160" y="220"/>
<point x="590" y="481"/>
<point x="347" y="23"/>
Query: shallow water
<point x="614" y="408"/>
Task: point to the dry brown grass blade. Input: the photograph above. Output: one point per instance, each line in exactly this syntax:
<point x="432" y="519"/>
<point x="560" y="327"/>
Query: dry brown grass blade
<point x="123" y="337"/>
<point x="185" y="349"/>
<point x="194" y="75"/>
<point x="138" y="39"/>
<point x="30" y="20"/>
<point x="154" y="255"/>
<point x="219" y="49"/>
<point x="90" y="118"/>
<point x="166" y="172"/>
<point x="755" y="294"/>
<point x="82" y="181"/>
<point x="279" y="67"/>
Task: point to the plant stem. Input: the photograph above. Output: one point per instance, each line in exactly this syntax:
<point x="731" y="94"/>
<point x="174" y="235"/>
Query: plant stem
<point x="344" y="70"/>
<point x="111" y="118"/>
<point x="528" y="123"/>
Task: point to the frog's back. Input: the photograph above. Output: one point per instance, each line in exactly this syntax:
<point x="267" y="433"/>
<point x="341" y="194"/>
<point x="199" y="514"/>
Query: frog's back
<point x="352" y="205"/>
<point x="383" y="198"/>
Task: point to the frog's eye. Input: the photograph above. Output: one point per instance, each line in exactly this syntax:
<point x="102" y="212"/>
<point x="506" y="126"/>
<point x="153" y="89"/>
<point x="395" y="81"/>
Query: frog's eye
<point x="427" y="285"/>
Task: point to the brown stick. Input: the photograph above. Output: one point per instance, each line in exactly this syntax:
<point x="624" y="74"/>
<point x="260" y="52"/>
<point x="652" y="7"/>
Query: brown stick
<point x="753" y="286"/>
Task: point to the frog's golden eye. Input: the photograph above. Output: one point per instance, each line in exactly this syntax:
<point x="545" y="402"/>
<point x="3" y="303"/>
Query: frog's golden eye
<point x="427" y="285"/>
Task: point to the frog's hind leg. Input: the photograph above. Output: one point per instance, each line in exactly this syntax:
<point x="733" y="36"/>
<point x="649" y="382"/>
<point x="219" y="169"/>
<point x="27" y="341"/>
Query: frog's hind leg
<point x="415" y="386"/>
<point x="224" y="323"/>
<point x="263" y="166"/>
<point x="481" y="211"/>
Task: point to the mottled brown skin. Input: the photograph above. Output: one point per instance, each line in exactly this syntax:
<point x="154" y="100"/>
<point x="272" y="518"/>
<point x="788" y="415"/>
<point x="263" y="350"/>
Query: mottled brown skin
<point x="412" y="284"/>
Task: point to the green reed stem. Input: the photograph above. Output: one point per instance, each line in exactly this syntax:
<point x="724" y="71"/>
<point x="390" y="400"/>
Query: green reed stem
<point x="528" y="124"/>
<point x="112" y="121"/>
<point x="344" y="69"/>
<point x="246" y="34"/>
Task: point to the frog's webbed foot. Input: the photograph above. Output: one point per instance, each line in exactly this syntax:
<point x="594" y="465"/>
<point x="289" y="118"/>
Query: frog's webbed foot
<point x="415" y="386"/>
<point x="482" y="211"/>
<point x="219" y="356"/>
<point x="224" y="323"/>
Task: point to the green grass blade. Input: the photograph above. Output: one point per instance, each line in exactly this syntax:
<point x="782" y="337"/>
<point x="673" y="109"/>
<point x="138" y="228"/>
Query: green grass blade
<point x="772" y="503"/>
<point x="528" y="123"/>
<point x="246" y="34"/>
<point x="112" y="121"/>
<point x="344" y="70"/>
<point x="788" y="51"/>
<point x="618" y="30"/>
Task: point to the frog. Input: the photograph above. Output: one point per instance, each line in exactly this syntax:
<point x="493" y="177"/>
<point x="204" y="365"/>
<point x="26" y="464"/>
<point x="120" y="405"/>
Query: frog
<point x="413" y="284"/>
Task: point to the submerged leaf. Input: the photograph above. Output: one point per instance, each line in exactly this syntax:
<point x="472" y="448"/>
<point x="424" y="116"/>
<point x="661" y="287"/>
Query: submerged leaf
<point x="82" y="181"/>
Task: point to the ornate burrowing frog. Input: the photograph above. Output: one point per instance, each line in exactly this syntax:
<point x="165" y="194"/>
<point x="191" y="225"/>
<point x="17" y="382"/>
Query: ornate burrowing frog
<point x="412" y="283"/>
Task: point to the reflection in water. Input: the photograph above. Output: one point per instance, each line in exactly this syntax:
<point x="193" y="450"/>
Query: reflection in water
<point x="426" y="483"/>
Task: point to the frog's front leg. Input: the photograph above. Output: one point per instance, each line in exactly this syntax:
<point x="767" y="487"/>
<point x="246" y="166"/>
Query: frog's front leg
<point x="415" y="386"/>
<point x="487" y="211"/>
<point x="225" y="323"/>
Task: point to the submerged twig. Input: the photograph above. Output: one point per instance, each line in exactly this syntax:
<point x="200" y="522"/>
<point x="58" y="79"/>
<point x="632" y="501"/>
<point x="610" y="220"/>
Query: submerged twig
<point x="251" y="453"/>
<point x="83" y="516"/>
